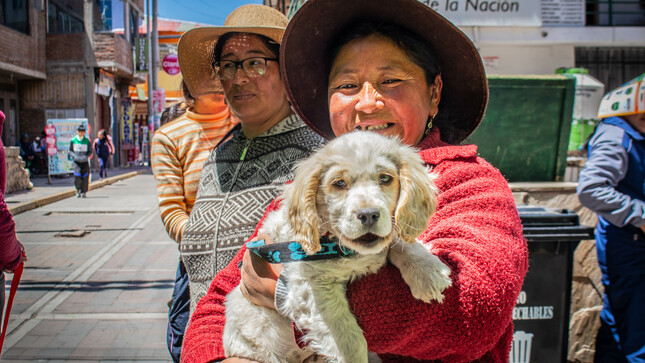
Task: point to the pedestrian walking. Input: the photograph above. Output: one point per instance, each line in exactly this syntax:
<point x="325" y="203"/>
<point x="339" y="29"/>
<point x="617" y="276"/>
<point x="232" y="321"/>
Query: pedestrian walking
<point x="80" y="152"/>
<point x="612" y="184"/>
<point x="103" y="149"/>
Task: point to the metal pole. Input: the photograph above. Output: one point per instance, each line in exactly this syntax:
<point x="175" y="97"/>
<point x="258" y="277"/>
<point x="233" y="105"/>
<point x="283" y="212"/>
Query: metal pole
<point x="150" y="70"/>
<point x="155" y="46"/>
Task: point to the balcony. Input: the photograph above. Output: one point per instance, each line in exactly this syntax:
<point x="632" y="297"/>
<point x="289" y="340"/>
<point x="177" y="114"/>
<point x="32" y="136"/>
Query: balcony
<point x="113" y="54"/>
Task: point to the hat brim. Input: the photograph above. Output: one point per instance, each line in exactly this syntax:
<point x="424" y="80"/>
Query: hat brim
<point x="317" y="23"/>
<point x="195" y="54"/>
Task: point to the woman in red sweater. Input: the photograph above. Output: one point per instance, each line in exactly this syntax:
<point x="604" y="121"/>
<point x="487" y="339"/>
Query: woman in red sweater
<point x="409" y="73"/>
<point x="11" y="250"/>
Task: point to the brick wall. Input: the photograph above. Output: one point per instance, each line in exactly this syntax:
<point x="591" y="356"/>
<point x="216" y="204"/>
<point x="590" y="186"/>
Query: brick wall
<point x="104" y="47"/>
<point x="25" y="50"/>
<point x="66" y="47"/>
<point x="32" y="121"/>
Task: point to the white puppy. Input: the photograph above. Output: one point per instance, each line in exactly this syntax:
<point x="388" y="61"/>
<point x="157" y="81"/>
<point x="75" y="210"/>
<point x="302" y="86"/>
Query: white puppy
<point x="375" y="196"/>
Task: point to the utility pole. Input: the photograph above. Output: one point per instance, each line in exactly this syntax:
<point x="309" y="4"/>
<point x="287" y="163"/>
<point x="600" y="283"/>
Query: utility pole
<point x="155" y="46"/>
<point x="150" y="69"/>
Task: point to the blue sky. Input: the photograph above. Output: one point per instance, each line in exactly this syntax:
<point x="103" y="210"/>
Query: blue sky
<point x="212" y="12"/>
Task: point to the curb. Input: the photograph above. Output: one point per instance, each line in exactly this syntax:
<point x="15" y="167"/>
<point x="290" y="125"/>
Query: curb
<point x="26" y="206"/>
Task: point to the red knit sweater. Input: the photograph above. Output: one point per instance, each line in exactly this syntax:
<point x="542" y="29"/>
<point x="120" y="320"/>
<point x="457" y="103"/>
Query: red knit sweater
<point x="476" y="231"/>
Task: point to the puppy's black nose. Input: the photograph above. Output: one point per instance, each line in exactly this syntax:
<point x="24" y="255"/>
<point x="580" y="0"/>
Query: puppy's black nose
<point x="368" y="216"/>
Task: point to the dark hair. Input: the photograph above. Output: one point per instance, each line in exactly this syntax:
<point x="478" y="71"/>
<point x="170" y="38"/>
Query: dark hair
<point x="188" y="97"/>
<point x="419" y="52"/>
<point x="273" y="46"/>
<point x="173" y="111"/>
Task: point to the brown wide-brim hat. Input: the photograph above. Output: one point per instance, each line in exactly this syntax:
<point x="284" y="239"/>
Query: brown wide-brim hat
<point x="195" y="48"/>
<point x="309" y="36"/>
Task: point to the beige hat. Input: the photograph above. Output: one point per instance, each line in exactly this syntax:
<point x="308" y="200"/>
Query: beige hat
<point x="195" y="49"/>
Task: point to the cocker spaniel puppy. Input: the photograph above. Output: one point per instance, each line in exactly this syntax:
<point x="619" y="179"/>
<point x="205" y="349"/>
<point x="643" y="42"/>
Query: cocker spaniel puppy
<point x="374" y="196"/>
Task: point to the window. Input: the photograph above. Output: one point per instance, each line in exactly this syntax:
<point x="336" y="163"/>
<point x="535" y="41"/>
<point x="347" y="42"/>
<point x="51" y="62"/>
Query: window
<point x="59" y="21"/>
<point x="15" y="14"/>
<point x="105" y="9"/>
<point x="616" y="12"/>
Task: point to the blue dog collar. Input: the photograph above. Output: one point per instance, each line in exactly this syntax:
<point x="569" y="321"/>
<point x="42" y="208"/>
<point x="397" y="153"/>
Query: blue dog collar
<point x="282" y="252"/>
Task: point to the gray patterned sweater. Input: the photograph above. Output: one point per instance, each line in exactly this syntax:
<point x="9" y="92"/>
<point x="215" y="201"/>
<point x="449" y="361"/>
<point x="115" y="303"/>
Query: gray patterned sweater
<point x="239" y="180"/>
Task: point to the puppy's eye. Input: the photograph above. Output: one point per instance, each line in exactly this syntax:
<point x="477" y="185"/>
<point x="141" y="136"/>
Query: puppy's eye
<point x="384" y="179"/>
<point x="340" y="184"/>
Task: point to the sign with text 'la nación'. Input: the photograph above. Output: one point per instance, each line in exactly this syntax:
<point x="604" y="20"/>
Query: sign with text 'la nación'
<point x="506" y="12"/>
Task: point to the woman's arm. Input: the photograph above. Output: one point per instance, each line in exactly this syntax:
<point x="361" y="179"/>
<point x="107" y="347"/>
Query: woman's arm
<point x="477" y="232"/>
<point x="112" y="150"/>
<point x="169" y="175"/>
<point x="604" y="169"/>
<point x="203" y="339"/>
<point x="89" y="152"/>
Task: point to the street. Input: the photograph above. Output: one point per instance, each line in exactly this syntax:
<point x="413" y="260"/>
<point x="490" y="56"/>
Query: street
<point x="98" y="279"/>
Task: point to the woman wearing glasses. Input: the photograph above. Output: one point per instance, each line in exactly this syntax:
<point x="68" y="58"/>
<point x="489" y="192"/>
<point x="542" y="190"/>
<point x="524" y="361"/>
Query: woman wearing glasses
<point x="243" y="174"/>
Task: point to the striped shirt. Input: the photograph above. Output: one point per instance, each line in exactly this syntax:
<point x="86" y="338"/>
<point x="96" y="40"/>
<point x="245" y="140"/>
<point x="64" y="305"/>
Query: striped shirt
<point x="179" y="149"/>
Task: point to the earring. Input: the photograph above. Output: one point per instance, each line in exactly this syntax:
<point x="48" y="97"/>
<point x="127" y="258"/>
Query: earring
<point x="429" y="126"/>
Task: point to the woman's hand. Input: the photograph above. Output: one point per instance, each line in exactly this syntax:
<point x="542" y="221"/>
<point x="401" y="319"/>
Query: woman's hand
<point x="23" y="258"/>
<point x="643" y="228"/>
<point x="259" y="278"/>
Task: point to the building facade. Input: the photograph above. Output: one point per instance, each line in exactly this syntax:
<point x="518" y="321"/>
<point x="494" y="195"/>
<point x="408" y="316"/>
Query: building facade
<point x="61" y="59"/>
<point x="539" y="36"/>
<point x="23" y="27"/>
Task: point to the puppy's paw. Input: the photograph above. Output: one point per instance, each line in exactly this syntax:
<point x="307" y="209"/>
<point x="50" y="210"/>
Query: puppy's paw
<point x="423" y="271"/>
<point x="428" y="279"/>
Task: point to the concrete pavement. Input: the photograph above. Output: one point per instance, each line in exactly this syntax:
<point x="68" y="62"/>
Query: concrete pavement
<point x="96" y="296"/>
<point x="45" y="192"/>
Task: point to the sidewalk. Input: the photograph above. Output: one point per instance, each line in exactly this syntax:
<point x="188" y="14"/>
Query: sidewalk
<point x="62" y="187"/>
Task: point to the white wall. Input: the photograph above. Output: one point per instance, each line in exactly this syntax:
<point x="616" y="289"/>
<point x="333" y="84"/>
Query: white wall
<point x="526" y="59"/>
<point x="541" y="50"/>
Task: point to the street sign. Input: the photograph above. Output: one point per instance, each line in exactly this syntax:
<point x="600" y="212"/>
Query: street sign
<point x="141" y="54"/>
<point x="170" y="64"/>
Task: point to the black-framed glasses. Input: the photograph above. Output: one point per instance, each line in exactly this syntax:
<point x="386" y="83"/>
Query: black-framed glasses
<point x="252" y="67"/>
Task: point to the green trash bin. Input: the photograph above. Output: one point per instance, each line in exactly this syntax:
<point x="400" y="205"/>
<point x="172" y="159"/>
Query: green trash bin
<point x="541" y="315"/>
<point x="525" y="132"/>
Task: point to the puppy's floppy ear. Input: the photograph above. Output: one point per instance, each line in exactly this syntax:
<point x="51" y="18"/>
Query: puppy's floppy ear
<point x="301" y="204"/>
<point x="417" y="197"/>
